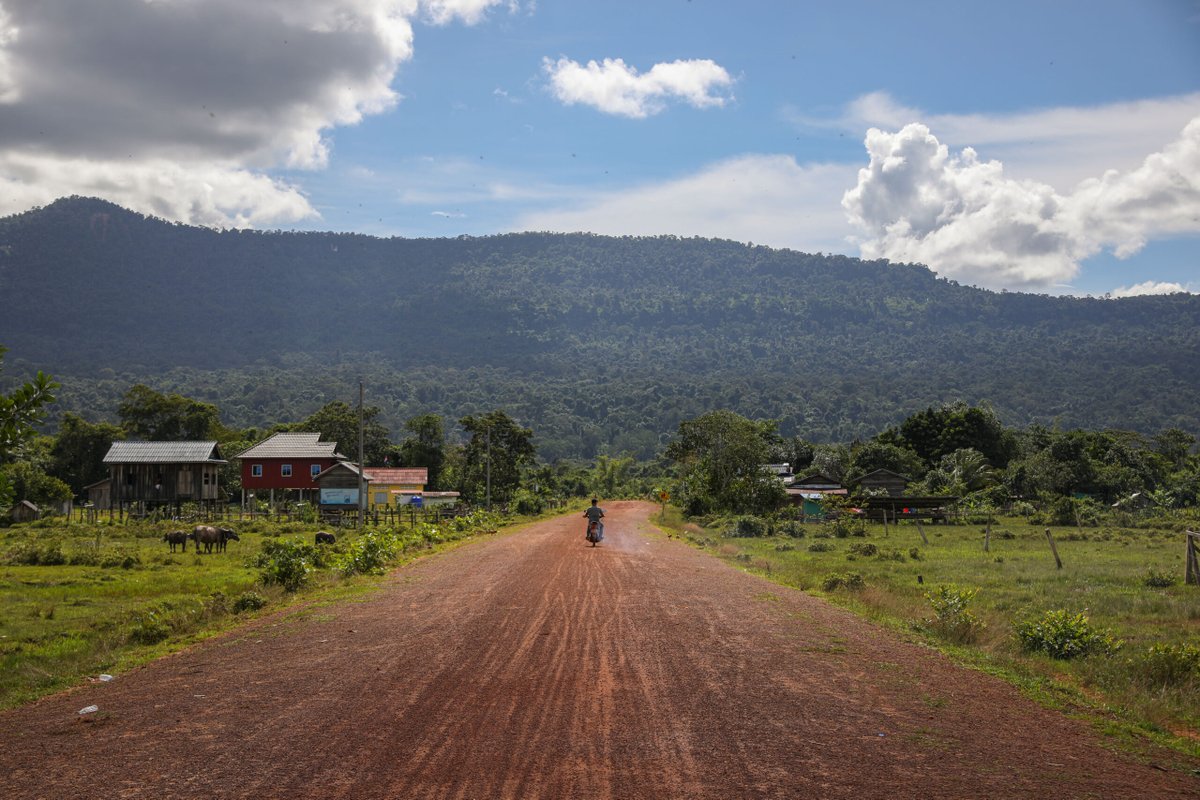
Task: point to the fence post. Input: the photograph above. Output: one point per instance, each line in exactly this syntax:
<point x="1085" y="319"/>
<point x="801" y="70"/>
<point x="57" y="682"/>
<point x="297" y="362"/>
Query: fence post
<point x="1053" y="549"/>
<point x="1192" y="538"/>
<point x="921" y="531"/>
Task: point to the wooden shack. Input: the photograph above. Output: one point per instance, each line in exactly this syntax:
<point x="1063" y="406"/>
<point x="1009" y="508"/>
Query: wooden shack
<point x="148" y="475"/>
<point x="338" y="486"/>
<point x="892" y="483"/>
<point x="24" y="511"/>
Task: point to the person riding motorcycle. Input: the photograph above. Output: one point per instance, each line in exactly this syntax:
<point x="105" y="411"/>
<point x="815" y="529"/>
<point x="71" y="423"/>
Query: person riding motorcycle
<point x="594" y="516"/>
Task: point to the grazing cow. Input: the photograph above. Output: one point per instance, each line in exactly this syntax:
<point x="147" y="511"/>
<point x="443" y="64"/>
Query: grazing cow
<point x="227" y="535"/>
<point x="325" y="537"/>
<point x="205" y="535"/>
<point x="176" y="538"/>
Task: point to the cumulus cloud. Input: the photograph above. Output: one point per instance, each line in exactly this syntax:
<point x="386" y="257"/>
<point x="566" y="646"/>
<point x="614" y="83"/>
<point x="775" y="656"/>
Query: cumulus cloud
<point x="614" y="87"/>
<point x="767" y="199"/>
<point x="176" y="107"/>
<point x="965" y="218"/>
<point x="1060" y="146"/>
<point x="1149" y="287"/>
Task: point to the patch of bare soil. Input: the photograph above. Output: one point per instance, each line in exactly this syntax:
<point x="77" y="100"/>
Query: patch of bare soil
<point x="534" y="666"/>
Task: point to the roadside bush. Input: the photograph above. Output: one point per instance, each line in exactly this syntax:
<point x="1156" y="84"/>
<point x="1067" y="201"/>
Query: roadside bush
<point x="748" y="526"/>
<point x="1059" y="634"/>
<point x="526" y="502"/>
<point x="249" y="601"/>
<point x="1168" y="665"/>
<point x="843" y="580"/>
<point x="34" y="554"/>
<point x="1158" y="580"/>
<point x="287" y="563"/>
<point x="951" y="618"/>
<point x="149" y="628"/>
<point x="370" y="553"/>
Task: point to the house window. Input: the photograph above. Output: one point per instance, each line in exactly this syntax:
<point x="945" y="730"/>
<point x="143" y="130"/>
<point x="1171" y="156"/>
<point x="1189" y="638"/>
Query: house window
<point x="314" y="470"/>
<point x="285" y="470"/>
<point x="256" y="470"/>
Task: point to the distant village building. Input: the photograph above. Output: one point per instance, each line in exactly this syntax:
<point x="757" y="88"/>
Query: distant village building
<point x="24" y="511"/>
<point x="392" y="486"/>
<point x="808" y="493"/>
<point x="338" y="486"/>
<point x="146" y="475"/>
<point x="892" y="483"/>
<point x="286" y="462"/>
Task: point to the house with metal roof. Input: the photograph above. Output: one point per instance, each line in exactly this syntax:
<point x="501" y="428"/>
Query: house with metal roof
<point x="287" y="461"/>
<point x="396" y="485"/>
<point x="147" y="475"/>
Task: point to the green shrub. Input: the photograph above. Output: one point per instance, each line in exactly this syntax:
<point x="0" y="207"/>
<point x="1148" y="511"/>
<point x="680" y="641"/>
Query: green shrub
<point x="951" y="618"/>
<point x="149" y="628"/>
<point x="864" y="549"/>
<point x="34" y="554"/>
<point x="1158" y="580"/>
<point x="820" y="547"/>
<point x="249" y="601"/>
<point x="287" y="563"/>
<point x="748" y="526"/>
<point x="1062" y="635"/>
<point x="370" y="553"/>
<point x="783" y="547"/>
<point x="1168" y="665"/>
<point x="843" y="580"/>
<point x="526" y="502"/>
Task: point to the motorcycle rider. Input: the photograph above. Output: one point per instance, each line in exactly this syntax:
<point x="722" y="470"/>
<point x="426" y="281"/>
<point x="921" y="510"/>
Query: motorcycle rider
<point x="595" y="515"/>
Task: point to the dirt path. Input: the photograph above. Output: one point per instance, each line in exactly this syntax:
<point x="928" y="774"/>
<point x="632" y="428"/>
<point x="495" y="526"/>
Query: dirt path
<point x="532" y="666"/>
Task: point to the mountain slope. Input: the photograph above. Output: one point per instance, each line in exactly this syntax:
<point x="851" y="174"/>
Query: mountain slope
<point x="578" y="330"/>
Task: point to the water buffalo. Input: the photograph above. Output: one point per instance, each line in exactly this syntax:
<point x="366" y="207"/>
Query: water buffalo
<point x="210" y="536"/>
<point x="325" y="537"/>
<point x="176" y="538"/>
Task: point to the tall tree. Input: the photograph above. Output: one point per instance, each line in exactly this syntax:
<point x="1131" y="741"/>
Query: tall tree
<point x="338" y="422"/>
<point x="722" y="457"/>
<point x="147" y="414"/>
<point x="20" y="412"/>
<point x="77" y="456"/>
<point x="22" y="409"/>
<point x="425" y="446"/>
<point x="498" y="446"/>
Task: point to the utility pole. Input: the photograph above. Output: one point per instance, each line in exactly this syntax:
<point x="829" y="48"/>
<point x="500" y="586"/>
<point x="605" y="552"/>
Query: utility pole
<point x="362" y="489"/>
<point x="489" y="466"/>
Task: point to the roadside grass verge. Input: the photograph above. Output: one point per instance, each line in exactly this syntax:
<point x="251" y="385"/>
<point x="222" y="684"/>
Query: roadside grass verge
<point x="1126" y="616"/>
<point x="77" y="601"/>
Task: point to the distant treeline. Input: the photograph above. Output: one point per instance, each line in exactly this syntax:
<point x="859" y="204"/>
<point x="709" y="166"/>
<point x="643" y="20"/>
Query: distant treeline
<point x="598" y="344"/>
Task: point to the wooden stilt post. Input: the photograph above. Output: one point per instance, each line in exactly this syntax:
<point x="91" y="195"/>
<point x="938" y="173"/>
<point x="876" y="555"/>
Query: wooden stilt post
<point x="1053" y="549"/>
<point x="1192" y="570"/>
<point x="987" y="535"/>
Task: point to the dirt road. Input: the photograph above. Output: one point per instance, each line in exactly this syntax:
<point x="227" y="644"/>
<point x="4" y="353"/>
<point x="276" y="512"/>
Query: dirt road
<point x="532" y="666"/>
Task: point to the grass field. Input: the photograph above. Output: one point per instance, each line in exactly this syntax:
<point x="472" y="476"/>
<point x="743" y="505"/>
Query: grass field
<point x="77" y="601"/>
<point x="1115" y="577"/>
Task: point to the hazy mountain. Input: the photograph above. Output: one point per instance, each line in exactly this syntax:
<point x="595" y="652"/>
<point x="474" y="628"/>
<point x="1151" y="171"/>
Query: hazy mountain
<point x="597" y="342"/>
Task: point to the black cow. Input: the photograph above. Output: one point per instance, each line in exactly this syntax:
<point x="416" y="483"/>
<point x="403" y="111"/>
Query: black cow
<point x="176" y="538"/>
<point x="211" y="537"/>
<point x="325" y="537"/>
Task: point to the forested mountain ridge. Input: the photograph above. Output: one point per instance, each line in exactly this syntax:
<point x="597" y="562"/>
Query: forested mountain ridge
<point x="596" y="342"/>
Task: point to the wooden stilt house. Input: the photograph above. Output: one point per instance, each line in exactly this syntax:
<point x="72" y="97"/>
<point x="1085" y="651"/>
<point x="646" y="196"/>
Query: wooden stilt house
<point x="148" y="475"/>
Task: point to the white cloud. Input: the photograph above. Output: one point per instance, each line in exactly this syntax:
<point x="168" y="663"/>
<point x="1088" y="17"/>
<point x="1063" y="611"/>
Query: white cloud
<point x="442" y="12"/>
<point x="767" y="199"/>
<point x="176" y="107"/>
<point x="1149" y="287"/>
<point x="968" y="220"/>
<point x="1059" y="146"/>
<point x="613" y="87"/>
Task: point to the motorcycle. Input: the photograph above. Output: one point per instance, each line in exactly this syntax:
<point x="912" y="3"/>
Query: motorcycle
<point x="594" y="531"/>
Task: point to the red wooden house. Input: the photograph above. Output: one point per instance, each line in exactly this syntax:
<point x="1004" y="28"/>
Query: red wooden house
<point x="288" y="462"/>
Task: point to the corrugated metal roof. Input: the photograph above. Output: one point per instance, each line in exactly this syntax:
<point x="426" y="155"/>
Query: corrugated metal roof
<point x="400" y="474"/>
<point x="292" y="445"/>
<point x="346" y="465"/>
<point x="163" y="453"/>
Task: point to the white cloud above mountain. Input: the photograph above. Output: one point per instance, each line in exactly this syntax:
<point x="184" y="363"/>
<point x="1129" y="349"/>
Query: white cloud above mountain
<point x="613" y="87"/>
<point x="968" y="220"/>
<point x="179" y="107"/>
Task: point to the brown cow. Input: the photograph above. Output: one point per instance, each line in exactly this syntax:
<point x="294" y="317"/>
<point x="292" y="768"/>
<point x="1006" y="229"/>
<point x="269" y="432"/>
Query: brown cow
<point x="176" y="538"/>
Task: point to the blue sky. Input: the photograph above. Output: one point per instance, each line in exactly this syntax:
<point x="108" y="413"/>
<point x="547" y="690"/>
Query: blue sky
<point x="1034" y="146"/>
